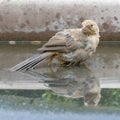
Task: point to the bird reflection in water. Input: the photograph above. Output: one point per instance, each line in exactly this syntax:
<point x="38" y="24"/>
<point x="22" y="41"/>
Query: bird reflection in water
<point x="74" y="82"/>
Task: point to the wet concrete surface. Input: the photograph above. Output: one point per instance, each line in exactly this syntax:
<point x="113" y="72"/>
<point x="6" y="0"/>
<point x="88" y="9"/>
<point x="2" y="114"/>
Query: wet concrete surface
<point x="105" y="63"/>
<point x="88" y="81"/>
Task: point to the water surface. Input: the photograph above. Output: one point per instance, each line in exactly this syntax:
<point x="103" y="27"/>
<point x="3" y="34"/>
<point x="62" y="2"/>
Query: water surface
<point x="60" y="92"/>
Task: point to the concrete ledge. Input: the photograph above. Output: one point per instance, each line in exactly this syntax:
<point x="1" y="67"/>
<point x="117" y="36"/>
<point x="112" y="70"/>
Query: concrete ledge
<point x="41" y="19"/>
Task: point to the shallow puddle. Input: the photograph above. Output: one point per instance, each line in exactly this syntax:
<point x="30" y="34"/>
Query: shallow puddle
<point x="60" y="91"/>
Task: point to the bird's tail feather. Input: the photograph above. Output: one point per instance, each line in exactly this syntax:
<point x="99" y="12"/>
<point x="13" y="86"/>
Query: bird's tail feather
<point x="31" y="62"/>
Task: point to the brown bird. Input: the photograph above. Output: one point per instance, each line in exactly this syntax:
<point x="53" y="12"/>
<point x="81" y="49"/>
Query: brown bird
<point x="69" y="47"/>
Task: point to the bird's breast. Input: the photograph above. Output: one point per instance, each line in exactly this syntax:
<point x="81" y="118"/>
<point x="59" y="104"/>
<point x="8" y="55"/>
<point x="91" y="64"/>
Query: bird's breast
<point x="75" y="56"/>
<point x="83" y="53"/>
<point x="92" y="43"/>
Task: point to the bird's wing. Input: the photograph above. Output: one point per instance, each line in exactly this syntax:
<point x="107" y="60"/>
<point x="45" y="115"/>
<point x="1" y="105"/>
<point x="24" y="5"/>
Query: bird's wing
<point x="64" y="41"/>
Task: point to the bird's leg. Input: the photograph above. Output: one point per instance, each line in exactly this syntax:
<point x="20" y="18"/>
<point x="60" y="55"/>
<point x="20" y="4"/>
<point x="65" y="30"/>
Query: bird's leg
<point x="70" y="64"/>
<point x="75" y="63"/>
<point x="51" y="58"/>
<point x="63" y="63"/>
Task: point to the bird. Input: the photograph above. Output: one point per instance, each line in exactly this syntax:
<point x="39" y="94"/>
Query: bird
<point x="68" y="47"/>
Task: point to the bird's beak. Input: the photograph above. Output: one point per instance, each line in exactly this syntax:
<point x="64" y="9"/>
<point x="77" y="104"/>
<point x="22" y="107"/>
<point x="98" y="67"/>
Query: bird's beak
<point x="87" y="30"/>
<point x="84" y="28"/>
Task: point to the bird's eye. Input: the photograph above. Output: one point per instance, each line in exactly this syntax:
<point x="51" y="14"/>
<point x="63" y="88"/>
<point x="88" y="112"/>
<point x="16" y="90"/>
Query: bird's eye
<point x="91" y="25"/>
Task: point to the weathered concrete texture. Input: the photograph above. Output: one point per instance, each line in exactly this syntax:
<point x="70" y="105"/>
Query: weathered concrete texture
<point x="40" y="19"/>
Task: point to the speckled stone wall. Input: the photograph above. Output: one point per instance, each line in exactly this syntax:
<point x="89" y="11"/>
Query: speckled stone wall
<point x="40" y="19"/>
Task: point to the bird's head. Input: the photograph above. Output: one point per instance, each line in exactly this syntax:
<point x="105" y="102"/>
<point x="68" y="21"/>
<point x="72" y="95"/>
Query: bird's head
<point x="90" y="27"/>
